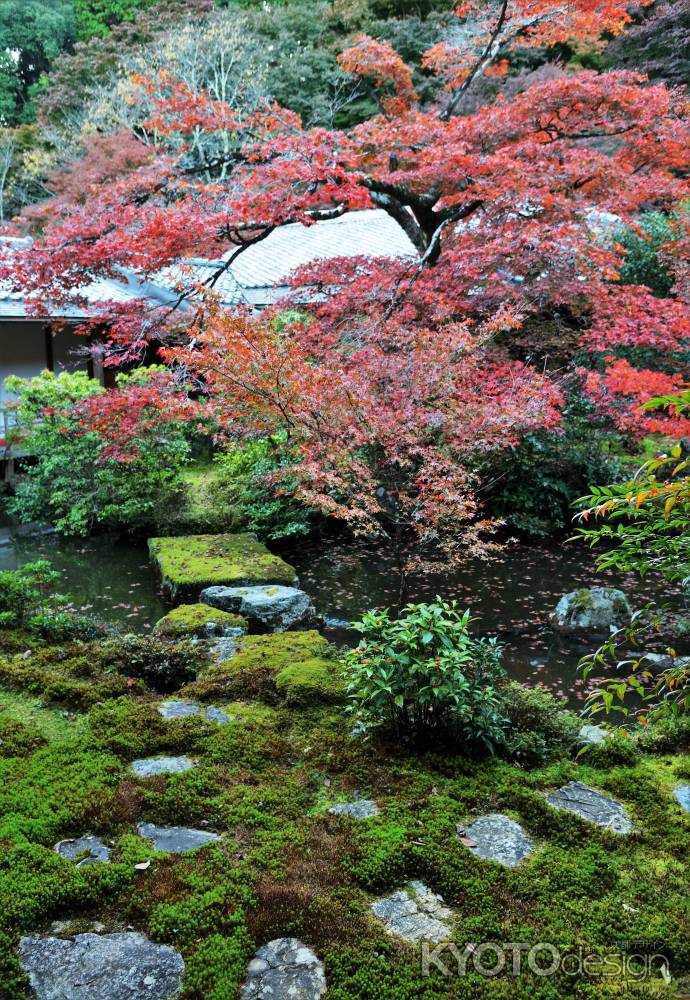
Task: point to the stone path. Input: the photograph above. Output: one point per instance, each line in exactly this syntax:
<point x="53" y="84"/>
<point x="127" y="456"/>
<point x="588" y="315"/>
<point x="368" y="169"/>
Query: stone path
<point x="76" y="846"/>
<point x="499" y="838"/>
<point x="101" y="967"/>
<point x="414" y="913"/>
<point x="151" y="767"/>
<point x="682" y="794"/>
<point x="176" y="839"/>
<point x="359" y="809"/>
<point x="284" y="969"/>
<point x="184" y="709"/>
<point x="586" y="802"/>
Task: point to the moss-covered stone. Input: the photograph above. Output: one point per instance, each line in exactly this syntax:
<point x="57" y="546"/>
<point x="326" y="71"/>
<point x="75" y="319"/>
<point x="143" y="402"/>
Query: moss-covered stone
<point x="295" y="666"/>
<point x="200" y="621"/>
<point x="190" y="563"/>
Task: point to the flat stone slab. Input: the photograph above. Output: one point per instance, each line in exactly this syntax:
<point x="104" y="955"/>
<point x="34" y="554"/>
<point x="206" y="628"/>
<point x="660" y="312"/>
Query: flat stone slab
<point x="124" y="966"/>
<point x="586" y="802"/>
<point x="414" y="913"/>
<point x="185" y="709"/>
<point x="151" y="767"/>
<point x="189" y="563"/>
<point x="682" y="794"/>
<point x="284" y="969"/>
<point x="360" y="809"/>
<point x="97" y="852"/>
<point x="176" y="839"/>
<point x="270" y="608"/>
<point x="499" y="838"/>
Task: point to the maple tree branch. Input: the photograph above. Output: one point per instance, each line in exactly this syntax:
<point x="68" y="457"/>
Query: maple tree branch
<point x="488" y="55"/>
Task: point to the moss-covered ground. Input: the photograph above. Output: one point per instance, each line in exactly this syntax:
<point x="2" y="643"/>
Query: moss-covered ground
<point x="285" y="866"/>
<point x="197" y="620"/>
<point x="189" y="563"/>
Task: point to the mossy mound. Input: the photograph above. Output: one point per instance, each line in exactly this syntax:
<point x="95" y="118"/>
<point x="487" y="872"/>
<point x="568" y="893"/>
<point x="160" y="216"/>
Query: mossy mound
<point x="296" y="667"/>
<point x="200" y="621"/>
<point x="203" y="506"/>
<point x="189" y="563"/>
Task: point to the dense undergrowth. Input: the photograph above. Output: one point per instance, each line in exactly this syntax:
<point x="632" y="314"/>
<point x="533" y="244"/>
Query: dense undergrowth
<point x="286" y="867"/>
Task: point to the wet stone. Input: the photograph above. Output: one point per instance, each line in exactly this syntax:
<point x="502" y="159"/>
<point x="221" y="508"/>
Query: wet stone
<point x="575" y="797"/>
<point x="499" y="838"/>
<point x="185" y="709"/>
<point x="361" y="809"/>
<point x="414" y="913"/>
<point x="176" y="839"/>
<point x="90" y="850"/>
<point x="151" y="767"/>
<point x="284" y="969"/>
<point x="682" y="794"/>
<point x="105" y="966"/>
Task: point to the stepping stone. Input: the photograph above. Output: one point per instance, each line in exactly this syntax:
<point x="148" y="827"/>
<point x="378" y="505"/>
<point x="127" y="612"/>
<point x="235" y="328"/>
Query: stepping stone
<point x="184" y="709"/>
<point x="151" y="767"/>
<point x="575" y="797"/>
<point x="361" y="809"/>
<point x="499" y="838"/>
<point x="101" y="967"/>
<point x="682" y="794"/>
<point x="592" y="736"/>
<point x="284" y="969"/>
<point x="77" y="846"/>
<point x="269" y="608"/>
<point x="414" y="913"/>
<point x="176" y="839"/>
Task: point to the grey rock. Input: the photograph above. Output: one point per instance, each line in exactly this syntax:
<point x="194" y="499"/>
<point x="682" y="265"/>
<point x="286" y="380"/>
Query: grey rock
<point x="215" y="714"/>
<point x="178" y="709"/>
<point x="224" y="649"/>
<point x="101" y="967"/>
<point x="499" y="838"/>
<point x="682" y="794"/>
<point x="77" y="846"/>
<point x="655" y="663"/>
<point x="592" y="736"/>
<point x="176" y="839"/>
<point x="151" y="767"/>
<point x="270" y="608"/>
<point x="595" y="610"/>
<point x="586" y="802"/>
<point x="284" y="969"/>
<point x="414" y="913"/>
<point x="361" y="809"/>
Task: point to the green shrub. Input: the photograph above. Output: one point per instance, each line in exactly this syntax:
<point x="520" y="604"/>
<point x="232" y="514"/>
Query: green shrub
<point x="425" y="678"/>
<point x="538" y="725"/>
<point x="644" y="264"/>
<point x="619" y="750"/>
<point x="162" y="665"/>
<point x="25" y="592"/>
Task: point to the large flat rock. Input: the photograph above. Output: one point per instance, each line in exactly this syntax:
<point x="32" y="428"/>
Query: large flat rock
<point x="88" y="849"/>
<point x="151" y="767"/>
<point x="499" y="838"/>
<point x="595" y="807"/>
<point x="101" y="967"/>
<point x="414" y="913"/>
<point x="190" y="563"/>
<point x="267" y="608"/>
<point x="284" y="969"/>
<point x="176" y="839"/>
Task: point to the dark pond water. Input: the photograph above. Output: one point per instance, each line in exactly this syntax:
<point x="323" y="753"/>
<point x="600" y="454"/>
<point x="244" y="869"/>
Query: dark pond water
<point x="511" y="596"/>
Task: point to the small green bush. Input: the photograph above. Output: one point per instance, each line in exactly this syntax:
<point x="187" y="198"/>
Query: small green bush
<point x="161" y="664"/>
<point x="538" y="725"/>
<point x="425" y="678"/>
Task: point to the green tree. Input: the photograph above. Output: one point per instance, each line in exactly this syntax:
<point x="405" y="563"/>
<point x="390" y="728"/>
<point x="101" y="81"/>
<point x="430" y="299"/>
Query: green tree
<point x="32" y="34"/>
<point x="95" y="18"/>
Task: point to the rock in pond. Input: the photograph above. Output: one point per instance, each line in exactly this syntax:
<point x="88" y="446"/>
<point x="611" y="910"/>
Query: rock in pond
<point x="123" y="966"/>
<point x="414" y="914"/>
<point x="270" y="608"/>
<point x="185" y="709"/>
<point x="176" y="839"/>
<point x="587" y="803"/>
<point x="190" y="563"/>
<point x="499" y="838"/>
<point x="151" y="767"/>
<point x="682" y="794"/>
<point x="90" y="849"/>
<point x="592" y="736"/>
<point x="284" y="969"/>
<point x="656" y="663"/>
<point x="593" y="610"/>
<point x="199" y="621"/>
<point x="359" y="809"/>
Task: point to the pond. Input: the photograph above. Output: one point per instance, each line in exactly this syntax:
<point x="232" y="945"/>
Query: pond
<point x="511" y="595"/>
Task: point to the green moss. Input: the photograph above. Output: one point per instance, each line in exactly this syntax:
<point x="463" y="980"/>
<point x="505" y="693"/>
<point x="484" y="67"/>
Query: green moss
<point x="294" y="666"/>
<point x="198" y="620"/>
<point x="48" y="723"/>
<point x="203" y="505"/>
<point x="582" y="600"/>
<point x="189" y="563"/>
